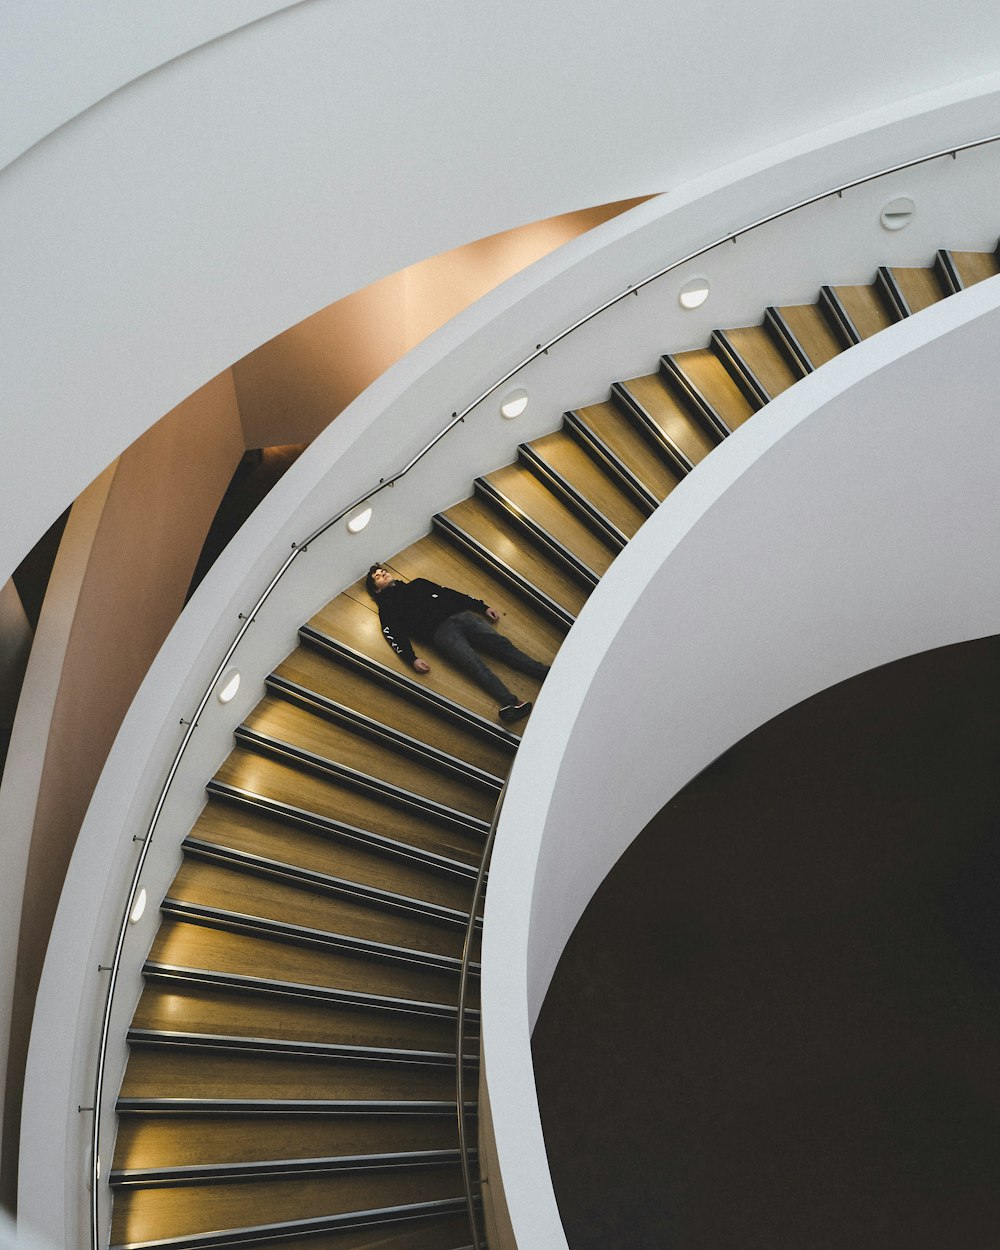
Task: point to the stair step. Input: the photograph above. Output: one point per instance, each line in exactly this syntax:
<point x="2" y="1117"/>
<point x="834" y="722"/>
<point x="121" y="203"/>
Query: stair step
<point x="604" y="430"/>
<point x="653" y="400"/>
<point x="975" y="267"/>
<point x="758" y="360"/>
<point x="562" y="457"/>
<point x="866" y="308"/>
<point x="920" y="287"/>
<point x="707" y="386"/>
<point x="811" y="329"/>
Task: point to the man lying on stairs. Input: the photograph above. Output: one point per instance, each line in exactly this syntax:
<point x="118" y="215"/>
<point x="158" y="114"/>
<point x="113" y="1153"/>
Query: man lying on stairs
<point x="453" y="623"/>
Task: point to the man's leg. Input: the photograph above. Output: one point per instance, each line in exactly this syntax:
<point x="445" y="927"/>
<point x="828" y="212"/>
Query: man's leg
<point x="450" y="637"/>
<point x="481" y="634"/>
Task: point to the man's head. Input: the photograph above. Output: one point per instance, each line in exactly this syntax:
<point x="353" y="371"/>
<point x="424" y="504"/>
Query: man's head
<point x="378" y="578"/>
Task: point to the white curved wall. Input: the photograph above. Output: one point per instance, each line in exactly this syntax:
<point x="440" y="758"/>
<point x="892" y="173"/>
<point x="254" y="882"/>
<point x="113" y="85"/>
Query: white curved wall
<point x="851" y="523"/>
<point x="201" y="209"/>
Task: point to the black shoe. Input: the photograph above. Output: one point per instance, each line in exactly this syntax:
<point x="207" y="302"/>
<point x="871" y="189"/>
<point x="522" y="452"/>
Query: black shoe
<point x="515" y="711"/>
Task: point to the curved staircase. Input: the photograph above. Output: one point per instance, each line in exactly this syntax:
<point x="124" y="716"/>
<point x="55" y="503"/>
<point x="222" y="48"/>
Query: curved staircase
<point x="291" y="1076"/>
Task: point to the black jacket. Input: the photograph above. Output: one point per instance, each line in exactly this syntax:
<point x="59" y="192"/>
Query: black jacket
<point x="415" y="610"/>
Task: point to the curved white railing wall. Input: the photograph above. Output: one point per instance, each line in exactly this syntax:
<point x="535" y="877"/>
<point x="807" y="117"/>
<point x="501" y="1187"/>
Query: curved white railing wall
<point x="783" y="262"/>
<point x="851" y="523"/>
<point x="201" y="209"/>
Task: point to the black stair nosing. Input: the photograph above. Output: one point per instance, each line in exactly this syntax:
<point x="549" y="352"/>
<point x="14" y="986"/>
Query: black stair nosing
<point x="278" y="870"/>
<point x="585" y="511"/>
<point x="557" y="551"/>
<point x="241" y="983"/>
<point x="678" y="462"/>
<point x="947" y="272"/>
<point x="750" y="386"/>
<point x="136" y="1105"/>
<point x="695" y="401"/>
<point x="290" y="1048"/>
<point x="354" y="779"/>
<point x="214" y="1173"/>
<point x="595" y="447"/>
<point x="891" y="293"/>
<point x="375" y="730"/>
<point x="301" y="818"/>
<point x="303" y="935"/>
<point x="320" y="641"/>
<point x="487" y="559"/>
<point x="838" y="318"/>
<point x="263" y="1234"/>
<point x="786" y="340"/>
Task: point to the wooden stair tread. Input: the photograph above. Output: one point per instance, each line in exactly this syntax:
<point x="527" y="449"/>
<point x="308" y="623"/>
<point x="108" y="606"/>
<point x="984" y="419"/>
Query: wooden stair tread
<point x="974" y="267"/>
<point x="709" y="376"/>
<point x="196" y="1008"/>
<point x="276" y="718"/>
<point x="352" y="689"/>
<point x="634" y="451"/>
<point x="764" y="359"/>
<point x="670" y="415"/>
<point x="449" y="1232"/>
<point x="143" y="1214"/>
<point x="920" y="287"/>
<point x="569" y="459"/>
<point x="187" y="945"/>
<point x="527" y="492"/>
<point x="866" y="308"/>
<point x="215" y="885"/>
<point x="812" y="330"/>
<point x="269" y="838"/>
<point x="248" y="771"/>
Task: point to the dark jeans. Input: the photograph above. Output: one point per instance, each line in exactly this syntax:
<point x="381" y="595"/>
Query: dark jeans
<point x="460" y="637"/>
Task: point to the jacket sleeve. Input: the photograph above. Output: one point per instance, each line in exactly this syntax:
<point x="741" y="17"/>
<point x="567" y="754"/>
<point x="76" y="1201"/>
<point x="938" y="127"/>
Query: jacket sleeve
<point x="394" y="634"/>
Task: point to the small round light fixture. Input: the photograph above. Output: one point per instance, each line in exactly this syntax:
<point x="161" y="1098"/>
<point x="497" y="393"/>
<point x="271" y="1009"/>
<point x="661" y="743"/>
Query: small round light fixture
<point x="360" y="519"/>
<point x="898" y="213"/>
<point x="514" y="403"/>
<point x="138" y="907"/>
<point x="228" y="686"/>
<point x="693" y="293"/>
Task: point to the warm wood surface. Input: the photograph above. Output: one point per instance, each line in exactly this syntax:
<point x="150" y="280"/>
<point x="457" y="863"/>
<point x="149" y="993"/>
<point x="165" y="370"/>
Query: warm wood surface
<point x="183" y="1140"/>
<point x="257" y="834"/>
<point x="812" y="330"/>
<point x="634" y="451"/>
<point x="232" y="889"/>
<point x="276" y="718"/>
<point x="195" y="946"/>
<point x="502" y="538"/>
<point x="669" y="413"/>
<point x="142" y="1214"/>
<point x="973" y="267"/>
<point x="197" y="1009"/>
<point x="920" y="287"/>
<point x="524" y="489"/>
<point x="762" y="357"/>
<point x="446" y="1233"/>
<point x="275" y="780"/>
<point x="709" y="376"/>
<point x="866" y="309"/>
<point x="568" y="458"/>
<point x="353" y="689"/>
<point x="173" y="1072"/>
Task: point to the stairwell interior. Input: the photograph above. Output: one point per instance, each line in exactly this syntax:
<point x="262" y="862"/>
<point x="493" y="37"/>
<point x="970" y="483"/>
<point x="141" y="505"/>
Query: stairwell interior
<point x="291" y="1079"/>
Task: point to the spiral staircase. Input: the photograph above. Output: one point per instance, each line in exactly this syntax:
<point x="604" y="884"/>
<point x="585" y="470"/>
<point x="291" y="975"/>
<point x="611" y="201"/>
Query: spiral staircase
<point x="291" y="1079"/>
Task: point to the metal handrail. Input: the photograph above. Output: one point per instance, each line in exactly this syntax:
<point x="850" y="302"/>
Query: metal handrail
<point x="463" y="991"/>
<point x="384" y="483"/>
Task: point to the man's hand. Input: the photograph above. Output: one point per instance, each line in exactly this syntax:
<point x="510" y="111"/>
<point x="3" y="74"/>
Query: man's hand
<point x="421" y="666"/>
<point x="492" y="614"/>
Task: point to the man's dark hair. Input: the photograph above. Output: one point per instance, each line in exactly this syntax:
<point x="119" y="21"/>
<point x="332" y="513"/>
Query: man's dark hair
<point x="370" y="581"/>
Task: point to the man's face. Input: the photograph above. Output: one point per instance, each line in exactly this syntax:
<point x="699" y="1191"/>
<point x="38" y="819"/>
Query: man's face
<point x="382" y="578"/>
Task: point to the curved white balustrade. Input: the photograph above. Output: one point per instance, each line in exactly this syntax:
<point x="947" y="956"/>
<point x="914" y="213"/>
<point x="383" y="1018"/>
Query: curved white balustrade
<point x="851" y="523"/>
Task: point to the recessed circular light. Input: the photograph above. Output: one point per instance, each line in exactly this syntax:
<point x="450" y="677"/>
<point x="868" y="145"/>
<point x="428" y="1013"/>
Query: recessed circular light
<point x="360" y="519"/>
<point x="898" y="213"/>
<point x="514" y="403"/>
<point x="228" y="686"/>
<point x="138" y="907"/>
<point x="693" y="293"/>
